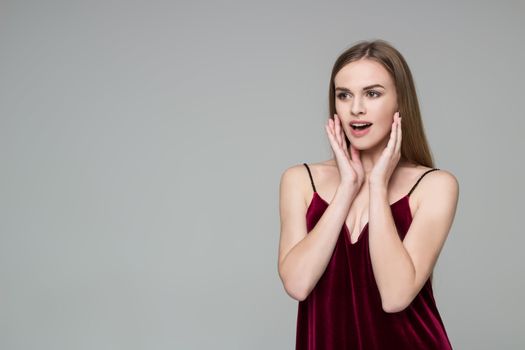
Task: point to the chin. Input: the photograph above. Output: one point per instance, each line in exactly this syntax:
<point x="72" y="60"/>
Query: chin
<point x="363" y="144"/>
<point x="360" y="146"/>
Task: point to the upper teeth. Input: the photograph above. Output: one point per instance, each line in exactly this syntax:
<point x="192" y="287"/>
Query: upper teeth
<point x="360" y="124"/>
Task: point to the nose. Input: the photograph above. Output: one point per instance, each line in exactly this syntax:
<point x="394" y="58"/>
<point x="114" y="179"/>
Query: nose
<point x="357" y="106"/>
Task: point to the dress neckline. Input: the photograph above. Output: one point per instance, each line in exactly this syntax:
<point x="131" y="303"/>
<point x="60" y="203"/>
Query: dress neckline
<point x="365" y="228"/>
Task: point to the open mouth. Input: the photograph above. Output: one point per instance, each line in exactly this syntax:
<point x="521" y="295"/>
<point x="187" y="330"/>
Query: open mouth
<point x="360" y="126"/>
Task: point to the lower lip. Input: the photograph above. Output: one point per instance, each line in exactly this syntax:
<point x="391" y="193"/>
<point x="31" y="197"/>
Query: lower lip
<point x="360" y="132"/>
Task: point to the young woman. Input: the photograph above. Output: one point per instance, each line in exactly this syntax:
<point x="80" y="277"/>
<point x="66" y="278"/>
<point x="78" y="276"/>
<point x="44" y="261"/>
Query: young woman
<point x="360" y="264"/>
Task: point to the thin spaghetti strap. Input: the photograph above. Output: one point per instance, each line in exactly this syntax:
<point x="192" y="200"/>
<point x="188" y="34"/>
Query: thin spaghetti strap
<point x="311" y="178"/>
<point x="426" y="172"/>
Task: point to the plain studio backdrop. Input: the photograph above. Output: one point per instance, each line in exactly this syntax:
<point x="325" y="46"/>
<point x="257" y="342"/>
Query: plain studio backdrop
<point x="142" y="144"/>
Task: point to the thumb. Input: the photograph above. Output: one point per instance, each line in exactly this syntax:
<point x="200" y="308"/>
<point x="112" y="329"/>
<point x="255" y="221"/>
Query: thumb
<point x="355" y="154"/>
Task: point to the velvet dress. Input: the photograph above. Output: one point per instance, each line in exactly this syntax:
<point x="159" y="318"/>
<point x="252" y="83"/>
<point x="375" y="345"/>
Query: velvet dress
<point x="344" y="310"/>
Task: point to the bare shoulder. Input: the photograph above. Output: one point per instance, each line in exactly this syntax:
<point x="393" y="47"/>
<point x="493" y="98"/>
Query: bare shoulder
<point x="293" y="183"/>
<point x="441" y="180"/>
<point x="438" y="188"/>
<point x="297" y="172"/>
<point x="293" y="205"/>
<point x="295" y="179"/>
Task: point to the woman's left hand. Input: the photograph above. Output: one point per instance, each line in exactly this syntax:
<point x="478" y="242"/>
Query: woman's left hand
<point x="386" y="164"/>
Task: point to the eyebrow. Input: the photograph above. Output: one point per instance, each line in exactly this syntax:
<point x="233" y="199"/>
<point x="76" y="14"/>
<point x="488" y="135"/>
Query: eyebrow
<point x="365" y="88"/>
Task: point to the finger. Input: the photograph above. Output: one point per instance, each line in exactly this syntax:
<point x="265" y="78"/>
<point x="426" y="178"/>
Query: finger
<point x="392" y="141"/>
<point x="345" y="145"/>
<point x="332" y="126"/>
<point x="343" y="137"/>
<point x="345" y="150"/>
<point x="329" y="130"/>
<point x="338" y="130"/>
<point x="329" y="127"/>
<point x="399" y="135"/>
<point x="341" y="134"/>
<point x="355" y="154"/>
<point x="330" y="140"/>
<point x="329" y="134"/>
<point x="331" y="137"/>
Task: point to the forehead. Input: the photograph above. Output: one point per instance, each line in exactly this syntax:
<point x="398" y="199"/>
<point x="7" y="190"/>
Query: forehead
<point x="362" y="73"/>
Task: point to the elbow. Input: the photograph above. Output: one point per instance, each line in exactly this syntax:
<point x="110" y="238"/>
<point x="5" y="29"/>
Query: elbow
<point x="295" y="288"/>
<point x="298" y="295"/>
<point x="393" y="308"/>
<point x="395" y="305"/>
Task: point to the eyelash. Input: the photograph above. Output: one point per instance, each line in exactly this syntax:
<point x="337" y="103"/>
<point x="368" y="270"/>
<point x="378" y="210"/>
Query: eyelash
<point x="375" y="92"/>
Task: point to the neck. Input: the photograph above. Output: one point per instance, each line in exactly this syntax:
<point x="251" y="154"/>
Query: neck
<point x="369" y="157"/>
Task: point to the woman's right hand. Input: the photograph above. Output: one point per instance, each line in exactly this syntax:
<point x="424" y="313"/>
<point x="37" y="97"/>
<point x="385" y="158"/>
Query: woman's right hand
<point x="350" y="168"/>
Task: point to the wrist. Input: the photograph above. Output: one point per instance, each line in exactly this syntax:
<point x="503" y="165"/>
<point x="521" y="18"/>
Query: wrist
<point x="376" y="189"/>
<point x="377" y="184"/>
<point x="349" y="188"/>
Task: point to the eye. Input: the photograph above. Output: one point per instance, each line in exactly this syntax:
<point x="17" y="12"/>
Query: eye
<point x="372" y="93"/>
<point x="341" y="94"/>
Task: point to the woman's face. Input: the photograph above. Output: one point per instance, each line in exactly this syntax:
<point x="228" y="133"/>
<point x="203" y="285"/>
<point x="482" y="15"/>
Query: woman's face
<point x="364" y="91"/>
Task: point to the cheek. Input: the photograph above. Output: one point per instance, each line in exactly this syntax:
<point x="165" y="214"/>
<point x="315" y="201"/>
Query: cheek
<point x="380" y="130"/>
<point x="384" y="130"/>
<point x="383" y="107"/>
<point x="338" y="106"/>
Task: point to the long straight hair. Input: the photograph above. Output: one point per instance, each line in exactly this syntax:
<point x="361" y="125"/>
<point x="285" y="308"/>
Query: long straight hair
<point x="414" y="145"/>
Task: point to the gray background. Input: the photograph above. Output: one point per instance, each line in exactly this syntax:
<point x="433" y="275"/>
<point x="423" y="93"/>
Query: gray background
<point x="142" y="144"/>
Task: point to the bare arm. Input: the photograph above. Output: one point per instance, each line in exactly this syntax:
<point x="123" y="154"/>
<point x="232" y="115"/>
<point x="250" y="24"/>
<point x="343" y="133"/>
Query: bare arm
<point x="303" y="256"/>
<point x="401" y="267"/>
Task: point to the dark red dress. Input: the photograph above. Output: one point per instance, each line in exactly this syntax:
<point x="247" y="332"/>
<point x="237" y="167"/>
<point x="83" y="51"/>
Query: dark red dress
<point x="344" y="310"/>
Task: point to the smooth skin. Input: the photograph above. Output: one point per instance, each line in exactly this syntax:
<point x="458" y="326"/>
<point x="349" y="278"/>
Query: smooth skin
<point x="369" y="176"/>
